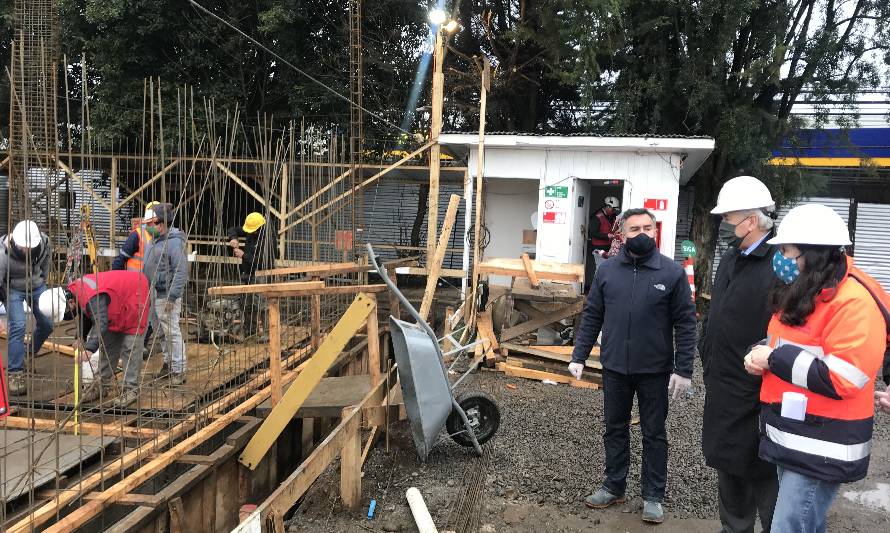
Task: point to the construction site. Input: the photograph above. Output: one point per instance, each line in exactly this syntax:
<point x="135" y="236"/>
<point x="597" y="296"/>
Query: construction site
<point x="392" y="341"/>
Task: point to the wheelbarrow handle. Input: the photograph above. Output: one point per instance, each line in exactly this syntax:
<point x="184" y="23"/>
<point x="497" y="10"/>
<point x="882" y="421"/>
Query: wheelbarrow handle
<point x="381" y="270"/>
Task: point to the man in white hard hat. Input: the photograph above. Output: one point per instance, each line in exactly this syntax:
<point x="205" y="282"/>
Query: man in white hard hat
<point x="24" y="265"/>
<point x="117" y="302"/>
<point x="600" y="234"/>
<point x="737" y="319"/>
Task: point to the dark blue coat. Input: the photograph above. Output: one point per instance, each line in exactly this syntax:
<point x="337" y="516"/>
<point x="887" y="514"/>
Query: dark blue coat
<point x="642" y="305"/>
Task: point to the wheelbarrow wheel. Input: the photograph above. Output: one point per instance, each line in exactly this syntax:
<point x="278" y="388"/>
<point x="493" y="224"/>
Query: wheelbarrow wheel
<point x="482" y="412"/>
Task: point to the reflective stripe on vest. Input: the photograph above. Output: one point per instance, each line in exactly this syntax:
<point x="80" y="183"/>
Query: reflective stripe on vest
<point x="809" y="354"/>
<point x="134" y="262"/>
<point x="822" y="448"/>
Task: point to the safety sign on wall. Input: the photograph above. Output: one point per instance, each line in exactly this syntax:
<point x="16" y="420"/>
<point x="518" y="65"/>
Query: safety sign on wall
<point x="655" y="204"/>
<point x="556" y="191"/>
<point x="554" y="217"/>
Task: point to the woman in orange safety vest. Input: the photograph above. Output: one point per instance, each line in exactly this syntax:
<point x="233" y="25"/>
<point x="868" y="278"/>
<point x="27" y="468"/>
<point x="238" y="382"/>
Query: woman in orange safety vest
<point x="825" y="345"/>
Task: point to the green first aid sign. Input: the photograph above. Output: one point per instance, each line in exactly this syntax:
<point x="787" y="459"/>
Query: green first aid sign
<point x="556" y="191"/>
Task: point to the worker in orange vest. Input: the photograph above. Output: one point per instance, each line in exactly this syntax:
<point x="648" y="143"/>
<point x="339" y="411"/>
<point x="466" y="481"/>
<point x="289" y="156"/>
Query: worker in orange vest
<point x="131" y="256"/>
<point x="825" y="345"/>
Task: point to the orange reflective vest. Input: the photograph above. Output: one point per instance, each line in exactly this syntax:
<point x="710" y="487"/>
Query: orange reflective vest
<point x="134" y="262"/>
<point x="832" y="359"/>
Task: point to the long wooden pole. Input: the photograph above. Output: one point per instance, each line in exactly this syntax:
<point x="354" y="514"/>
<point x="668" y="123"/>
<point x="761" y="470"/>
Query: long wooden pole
<point x="435" y="266"/>
<point x="435" y="150"/>
<point x="275" y="348"/>
<point x="480" y="171"/>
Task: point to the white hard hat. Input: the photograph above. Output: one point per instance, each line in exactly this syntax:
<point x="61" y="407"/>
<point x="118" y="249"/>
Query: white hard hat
<point x="149" y="214"/>
<point x="612" y="202"/>
<point x="26" y="234"/>
<point x="815" y="224"/>
<point x="741" y="193"/>
<point x="53" y="304"/>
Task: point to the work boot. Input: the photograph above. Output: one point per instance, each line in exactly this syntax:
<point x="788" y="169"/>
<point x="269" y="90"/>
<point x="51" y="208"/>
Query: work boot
<point x="93" y="390"/>
<point x="652" y="512"/>
<point x="127" y="397"/>
<point x="602" y="499"/>
<point x="163" y="372"/>
<point x="17" y="385"/>
<point x="177" y="378"/>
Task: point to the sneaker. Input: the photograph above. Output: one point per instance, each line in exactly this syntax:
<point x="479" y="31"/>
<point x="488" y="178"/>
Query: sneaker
<point x="177" y="379"/>
<point x="652" y="512"/>
<point x="127" y="397"/>
<point x="163" y="372"/>
<point x="17" y="385"/>
<point x="602" y="499"/>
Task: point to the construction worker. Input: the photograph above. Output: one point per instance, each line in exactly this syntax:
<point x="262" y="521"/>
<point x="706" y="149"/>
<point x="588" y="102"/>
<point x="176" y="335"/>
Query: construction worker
<point x="133" y="250"/>
<point x="601" y="235"/>
<point x="24" y="265"/>
<point x="825" y="346"/>
<point x="737" y="319"/>
<point x="166" y="267"/>
<point x="641" y="302"/>
<point x="117" y="302"/>
<point x="132" y="253"/>
<point x="257" y="254"/>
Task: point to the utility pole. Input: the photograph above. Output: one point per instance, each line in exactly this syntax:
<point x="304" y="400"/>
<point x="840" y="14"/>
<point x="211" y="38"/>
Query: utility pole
<point x="435" y="150"/>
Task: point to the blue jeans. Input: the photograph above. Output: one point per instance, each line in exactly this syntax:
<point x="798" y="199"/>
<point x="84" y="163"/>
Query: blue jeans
<point x="802" y="506"/>
<point x="15" y="314"/>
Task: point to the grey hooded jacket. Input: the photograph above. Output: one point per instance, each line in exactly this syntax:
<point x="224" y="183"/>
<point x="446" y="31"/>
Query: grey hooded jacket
<point x="166" y="264"/>
<point x="22" y="276"/>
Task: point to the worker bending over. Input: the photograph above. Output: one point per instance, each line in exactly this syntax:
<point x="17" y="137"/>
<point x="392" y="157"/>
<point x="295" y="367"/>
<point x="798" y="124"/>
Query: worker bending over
<point x="117" y="303"/>
<point x="257" y="254"/>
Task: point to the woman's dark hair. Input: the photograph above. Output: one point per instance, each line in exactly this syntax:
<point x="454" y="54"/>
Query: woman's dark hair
<point x="824" y="267"/>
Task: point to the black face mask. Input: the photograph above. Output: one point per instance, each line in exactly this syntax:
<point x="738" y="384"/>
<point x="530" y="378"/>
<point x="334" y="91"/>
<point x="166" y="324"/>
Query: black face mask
<point x="640" y="245"/>
<point x="727" y="235"/>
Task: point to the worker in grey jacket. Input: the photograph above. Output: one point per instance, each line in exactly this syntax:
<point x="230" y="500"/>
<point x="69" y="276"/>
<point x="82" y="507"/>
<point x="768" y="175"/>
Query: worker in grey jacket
<point x="166" y="267"/>
<point x="24" y="264"/>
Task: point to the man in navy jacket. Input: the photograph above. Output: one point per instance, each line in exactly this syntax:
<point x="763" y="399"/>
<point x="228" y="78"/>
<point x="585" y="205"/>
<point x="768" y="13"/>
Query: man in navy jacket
<point x="642" y="303"/>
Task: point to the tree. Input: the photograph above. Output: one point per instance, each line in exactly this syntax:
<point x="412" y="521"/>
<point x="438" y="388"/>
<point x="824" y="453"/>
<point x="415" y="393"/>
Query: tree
<point x="733" y="70"/>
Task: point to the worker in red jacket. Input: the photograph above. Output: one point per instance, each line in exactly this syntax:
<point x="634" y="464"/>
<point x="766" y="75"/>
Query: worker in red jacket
<point x="826" y="342"/>
<point x="601" y="234"/>
<point x="117" y="301"/>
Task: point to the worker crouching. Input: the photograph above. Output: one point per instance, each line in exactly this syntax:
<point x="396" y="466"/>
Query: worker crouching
<point x="117" y="302"/>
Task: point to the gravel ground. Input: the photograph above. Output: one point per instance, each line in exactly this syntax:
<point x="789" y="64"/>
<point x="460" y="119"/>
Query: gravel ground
<point x="547" y="455"/>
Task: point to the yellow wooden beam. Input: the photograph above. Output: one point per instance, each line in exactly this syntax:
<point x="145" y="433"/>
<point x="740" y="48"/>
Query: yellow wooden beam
<point x="347" y="327"/>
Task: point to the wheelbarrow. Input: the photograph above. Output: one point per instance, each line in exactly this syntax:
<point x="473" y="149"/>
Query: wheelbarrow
<point x="471" y="419"/>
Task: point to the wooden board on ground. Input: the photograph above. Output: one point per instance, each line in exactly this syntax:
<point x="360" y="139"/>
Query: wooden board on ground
<point x="547" y="292"/>
<point x="534" y="324"/>
<point x="554" y="353"/>
<point x="505" y="266"/>
<point x="591" y="374"/>
<point x="540" y="376"/>
<point x="329" y="397"/>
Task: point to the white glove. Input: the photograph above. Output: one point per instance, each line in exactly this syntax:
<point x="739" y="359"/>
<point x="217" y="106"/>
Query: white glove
<point x="678" y="385"/>
<point x="576" y="369"/>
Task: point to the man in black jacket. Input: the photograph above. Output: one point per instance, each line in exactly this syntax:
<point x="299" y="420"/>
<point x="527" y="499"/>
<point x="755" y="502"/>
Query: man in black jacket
<point x="257" y="254"/>
<point x="642" y="303"/>
<point x="737" y="319"/>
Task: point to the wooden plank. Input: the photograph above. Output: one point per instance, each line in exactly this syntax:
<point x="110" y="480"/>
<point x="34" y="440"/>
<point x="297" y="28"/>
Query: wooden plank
<point x="436" y="264"/>
<point x="176" y="515"/>
<point x="63" y="349"/>
<point x="87" y="428"/>
<point x="449" y="316"/>
<point x="592" y="374"/>
<point x="530" y="271"/>
<point x="556" y="292"/>
<point x="329" y="397"/>
<point x="85" y="186"/>
<point x="534" y="324"/>
<point x="146" y="183"/>
<point x="315" y="322"/>
<point x="374" y="364"/>
<point x="528" y="310"/>
<point x="538" y="375"/>
<point x="296" y="485"/>
<point x="395" y="306"/>
<point x="443" y="272"/>
<point x="348" y="325"/>
<point x="262" y="288"/>
<point x="544" y="269"/>
<point x="316" y="194"/>
<point x="372" y="438"/>
<point x="274" y="319"/>
<point x="351" y="461"/>
<point x="133" y="498"/>
<point x="437" y="104"/>
<point x="486" y="329"/>
<point x="537" y="351"/>
<point x="324" y="269"/>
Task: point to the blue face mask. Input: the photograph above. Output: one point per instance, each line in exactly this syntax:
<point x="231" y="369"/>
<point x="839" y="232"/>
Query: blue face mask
<point x="784" y="268"/>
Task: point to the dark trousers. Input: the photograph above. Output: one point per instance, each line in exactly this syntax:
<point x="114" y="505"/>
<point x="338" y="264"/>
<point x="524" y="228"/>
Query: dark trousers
<point x="618" y="398"/>
<point x="741" y="499"/>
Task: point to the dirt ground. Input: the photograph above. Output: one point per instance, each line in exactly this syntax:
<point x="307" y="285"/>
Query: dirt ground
<point x="548" y="455"/>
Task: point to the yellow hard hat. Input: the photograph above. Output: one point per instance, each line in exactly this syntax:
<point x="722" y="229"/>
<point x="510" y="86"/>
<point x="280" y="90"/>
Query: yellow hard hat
<point x="253" y="222"/>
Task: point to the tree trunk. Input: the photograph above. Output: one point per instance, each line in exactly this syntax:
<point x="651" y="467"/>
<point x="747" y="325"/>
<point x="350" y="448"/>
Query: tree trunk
<point x="423" y="196"/>
<point x="708" y="181"/>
